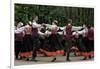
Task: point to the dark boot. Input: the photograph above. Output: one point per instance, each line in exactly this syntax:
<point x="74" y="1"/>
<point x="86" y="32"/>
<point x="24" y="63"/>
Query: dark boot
<point x="68" y="59"/>
<point x="33" y="59"/>
<point x="84" y="58"/>
<point x="89" y="57"/>
<point x="67" y="56"/>
<point x="64" y="54"/>
<point x="53" y="59"/>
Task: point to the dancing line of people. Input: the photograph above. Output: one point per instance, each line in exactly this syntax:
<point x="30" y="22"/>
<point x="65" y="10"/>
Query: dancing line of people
<point x="34" y="37"/>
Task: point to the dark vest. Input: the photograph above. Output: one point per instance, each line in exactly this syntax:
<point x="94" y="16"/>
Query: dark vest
<point x="34" y="32"/>
<point x="18" y="36"/>
<point x="68" y="32"/>
<point x="90" y="34"/>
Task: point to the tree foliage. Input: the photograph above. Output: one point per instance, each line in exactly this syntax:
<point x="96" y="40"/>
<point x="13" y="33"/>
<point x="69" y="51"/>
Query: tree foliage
<point x="79" y="15"/>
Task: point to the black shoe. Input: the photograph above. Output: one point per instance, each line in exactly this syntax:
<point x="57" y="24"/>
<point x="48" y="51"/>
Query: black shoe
<point x="64" y="54"/>
<point x="53" y="60"/>
<point x="68" y="60"/>
<point x="27" y="59"/>
<point x="90" y="57"/>
<point x="84" y="58"/>
<point x="16" y="57"/>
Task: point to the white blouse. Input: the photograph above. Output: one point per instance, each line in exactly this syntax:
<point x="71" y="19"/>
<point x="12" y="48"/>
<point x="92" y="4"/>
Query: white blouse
<point x="19" y="30"/>
<point x="35" y="25"/>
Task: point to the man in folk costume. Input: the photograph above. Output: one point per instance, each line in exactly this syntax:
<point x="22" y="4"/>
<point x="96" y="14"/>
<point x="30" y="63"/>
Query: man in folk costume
<point x="35" y="38"/>
<point x="68" y="38"/>
<point x="18" y="40"/>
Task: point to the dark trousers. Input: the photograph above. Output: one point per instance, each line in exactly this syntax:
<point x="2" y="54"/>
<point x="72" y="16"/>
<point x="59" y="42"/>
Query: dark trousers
<point x="91" y="45"/>
<point x="68" y="45"/>
<point x="36" y="46"/>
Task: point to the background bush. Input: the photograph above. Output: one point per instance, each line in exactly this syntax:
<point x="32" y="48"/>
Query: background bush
<point x="79" y="15"/>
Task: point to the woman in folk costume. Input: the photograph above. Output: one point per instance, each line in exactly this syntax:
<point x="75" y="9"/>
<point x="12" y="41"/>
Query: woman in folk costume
<point x="44" y="38"/>
<point x="27" y="40"/>
<point x="79" y="43"/>
<point x="90" y="40"/>
<point x="55" y="44"/>
<point x="84" y="41"/>
<point x="18" y="40"/>
<point x="20" y="24"/>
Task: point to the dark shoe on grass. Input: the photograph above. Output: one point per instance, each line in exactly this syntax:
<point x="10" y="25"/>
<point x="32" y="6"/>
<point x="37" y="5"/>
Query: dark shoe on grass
<point x="84" y="58"/>
<point x="53" y="60"/>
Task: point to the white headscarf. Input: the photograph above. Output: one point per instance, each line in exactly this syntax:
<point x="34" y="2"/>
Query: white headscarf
<point x="20" y="24"/>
